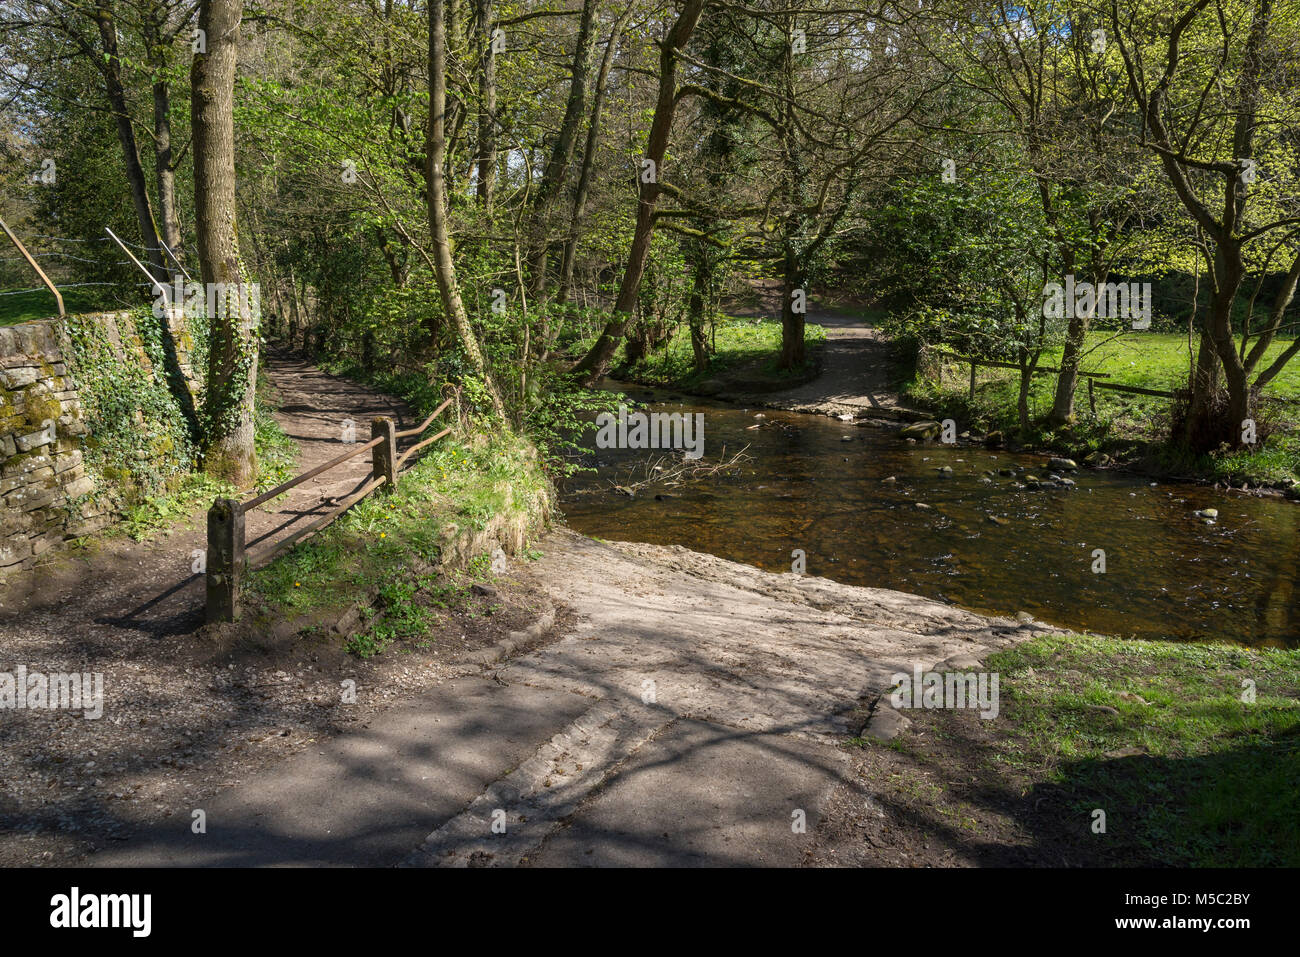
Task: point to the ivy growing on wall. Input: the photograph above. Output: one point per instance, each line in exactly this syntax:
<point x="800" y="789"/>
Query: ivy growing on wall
<point x="138" y="440"/>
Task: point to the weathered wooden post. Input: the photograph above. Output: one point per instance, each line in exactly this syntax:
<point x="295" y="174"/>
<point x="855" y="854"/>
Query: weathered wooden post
<point x="1092" y="399"/>
<point x="383" y="457"/>
<point x="972" y="380"/>
<point x="225" y="561"/>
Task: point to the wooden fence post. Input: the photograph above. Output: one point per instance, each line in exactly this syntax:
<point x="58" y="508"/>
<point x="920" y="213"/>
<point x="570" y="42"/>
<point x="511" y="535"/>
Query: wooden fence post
<point x="225" y="561"/>
<point x="383" y="457"/>
<point x="1092" y="398"/>
<point x="972" y="381"/>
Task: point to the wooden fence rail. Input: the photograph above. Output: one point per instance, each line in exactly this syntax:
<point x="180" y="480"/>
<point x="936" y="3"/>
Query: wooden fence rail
<point x="227" y="560"/>
<point x="1094" y="380"/>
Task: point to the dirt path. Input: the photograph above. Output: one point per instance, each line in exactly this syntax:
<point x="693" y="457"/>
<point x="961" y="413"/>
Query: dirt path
<point x="858" y="368"/>
<point x="857" y="372"/>
<point x="184" y="712"/>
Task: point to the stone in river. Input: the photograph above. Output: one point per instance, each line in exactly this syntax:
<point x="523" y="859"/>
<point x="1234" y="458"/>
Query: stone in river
<point x="920" y="430"/>
<point x="1063" y="465"/>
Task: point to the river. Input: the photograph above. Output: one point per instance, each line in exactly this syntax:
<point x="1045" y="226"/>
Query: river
<point x="985" y="545"/>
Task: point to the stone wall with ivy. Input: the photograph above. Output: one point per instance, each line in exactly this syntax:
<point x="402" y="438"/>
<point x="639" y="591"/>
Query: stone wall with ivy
<point x="90" y="422"/>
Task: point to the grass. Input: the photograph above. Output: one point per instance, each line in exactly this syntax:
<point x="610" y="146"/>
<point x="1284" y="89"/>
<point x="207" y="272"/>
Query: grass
<point x="404" y="609"/>
<point x="1156" y="360"/>
<point x="379" y="543"/>
<point x="40" y="304"/>
<point x="1125" y="425"/>
<point x="1209" y="778"/>
<point x="750" y="346"/>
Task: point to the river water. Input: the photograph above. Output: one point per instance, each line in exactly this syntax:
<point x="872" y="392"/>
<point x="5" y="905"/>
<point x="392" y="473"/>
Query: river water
<point x="987" y="546"/>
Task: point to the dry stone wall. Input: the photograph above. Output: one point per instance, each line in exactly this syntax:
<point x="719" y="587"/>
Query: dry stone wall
<point x="45" y="491"/>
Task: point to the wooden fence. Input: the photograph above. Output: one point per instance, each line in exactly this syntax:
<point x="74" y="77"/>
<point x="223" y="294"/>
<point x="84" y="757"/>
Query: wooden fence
<point x="1094" y="380"/>
<point x="227" y="561"/>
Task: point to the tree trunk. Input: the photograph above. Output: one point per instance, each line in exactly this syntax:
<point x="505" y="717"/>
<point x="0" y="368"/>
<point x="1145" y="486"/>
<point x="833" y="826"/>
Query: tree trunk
<point x="1022" y="398"/>
<point x="796" y="259"/>
<point x="487" y="106"/>
<point x="792" y="323"/>
<point x="166" y="175"/>
<point x="557" y="166"/>
<point x="595" y="363"/>
<point x="232" y="349"/>
<point x="177" y="383"/>
<point x="695" y="308"/>
<point x="300" y="320"/>
<point x="579" y="211"/>
<point x="164" y="161"/>
<point x="112" y="71"/>
<point x="444" y="265"/>
<point x="1068" y="378"/>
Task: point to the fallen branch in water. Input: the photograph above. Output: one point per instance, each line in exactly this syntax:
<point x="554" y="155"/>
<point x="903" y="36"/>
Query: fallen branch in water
<point x="679" y="472"/>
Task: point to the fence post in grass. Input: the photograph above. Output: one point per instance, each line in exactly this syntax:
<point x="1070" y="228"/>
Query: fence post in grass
<point x="225" y="561"/>
<point x="58" y="298"/>
<point x="1092" y="398"/>
<point x="383" y="457"/>
<point x="972" y="380"/>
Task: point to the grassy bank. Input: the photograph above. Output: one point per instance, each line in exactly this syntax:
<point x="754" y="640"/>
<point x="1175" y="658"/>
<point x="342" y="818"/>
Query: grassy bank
<point x="1159" y="734"/>
<point x="1126" y="427"/>
<point x="1164" y="738"/>
<point x="413" y="549"/>
<point x="744" y="357"/>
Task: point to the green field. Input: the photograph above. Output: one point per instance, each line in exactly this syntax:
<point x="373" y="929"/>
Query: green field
<point x="1160" y="361"/>
<point x="1192" y="748"/>
<point x="29" y="306"/>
